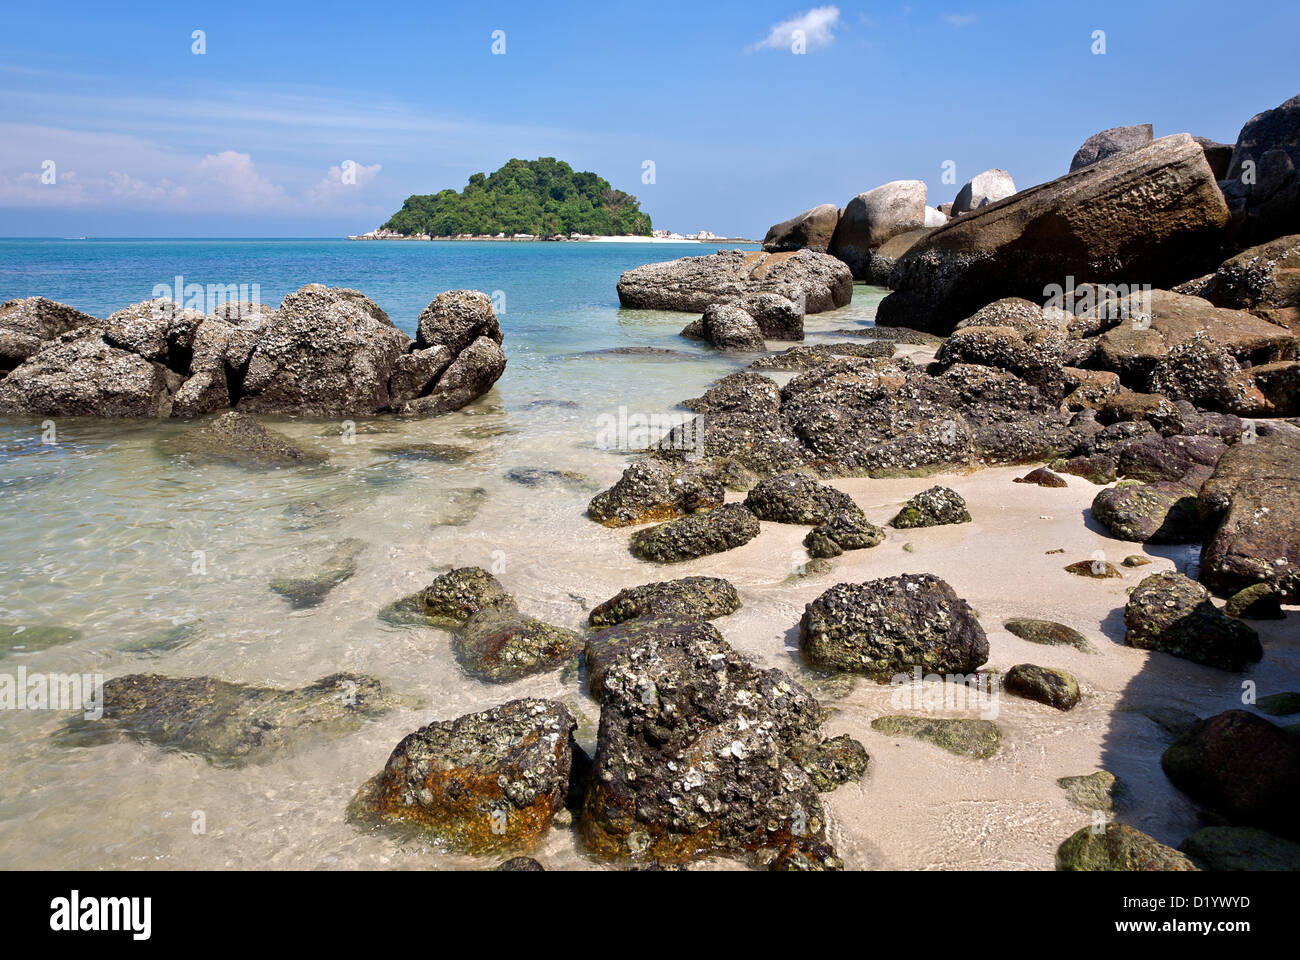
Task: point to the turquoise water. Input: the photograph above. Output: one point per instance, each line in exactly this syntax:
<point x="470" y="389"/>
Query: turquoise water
<point x="160" y="565"/>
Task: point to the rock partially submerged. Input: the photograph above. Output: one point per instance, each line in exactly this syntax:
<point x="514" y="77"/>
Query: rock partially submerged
<point x="230" y="724"/>
<point x="320" y="568"/>
<point x="483" y="783"/>
<point x="1118" y="847"/>
<point x="1056" y="688"/>
<point x="698" y="535"/>
<point x="1242" y="767"/>
<point x="1047" y="632"/>
<point x="887" y="627"/>
<point x="978" y="739"/>
<point x="656" y="489"/>
<point x="325" y="352"/>
<point x="1241" y="848"/>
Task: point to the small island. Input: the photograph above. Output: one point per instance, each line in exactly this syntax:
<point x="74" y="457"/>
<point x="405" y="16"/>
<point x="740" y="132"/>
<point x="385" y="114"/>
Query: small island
<point x="525" y="199"/>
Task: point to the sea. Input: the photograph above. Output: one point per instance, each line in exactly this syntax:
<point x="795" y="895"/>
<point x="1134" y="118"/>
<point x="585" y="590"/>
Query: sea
<point x="123" y="558"/>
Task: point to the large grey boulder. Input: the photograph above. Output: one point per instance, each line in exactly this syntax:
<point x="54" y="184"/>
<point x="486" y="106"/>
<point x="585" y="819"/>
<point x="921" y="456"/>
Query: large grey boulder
<point x="79" y="375"/>
<point x="1263" y="183"/>
<point x="27" y="325"/>
<point x="874" y="217"/>
<point x="731" y="329"/>
<point x="455" y="319"/>
<point x="983" y="189"/>
<point x="813" y="280"/>
<point x="1153" y="215"/>
<point x="810" y="230"/>
<point x="1110" y="142"/>
<point x="327" y="352"/>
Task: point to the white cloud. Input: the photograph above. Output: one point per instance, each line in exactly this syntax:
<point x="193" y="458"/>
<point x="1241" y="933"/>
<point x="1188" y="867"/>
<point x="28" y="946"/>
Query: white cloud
<point x="816" y="27"/>
<point x="959" y="19"/>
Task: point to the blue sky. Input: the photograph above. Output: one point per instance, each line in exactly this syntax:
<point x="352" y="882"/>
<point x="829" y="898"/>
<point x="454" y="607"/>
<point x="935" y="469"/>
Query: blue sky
<point x="148" y="138"/>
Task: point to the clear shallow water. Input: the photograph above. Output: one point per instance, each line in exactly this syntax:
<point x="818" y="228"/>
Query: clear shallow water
<point x="99" y="534"/>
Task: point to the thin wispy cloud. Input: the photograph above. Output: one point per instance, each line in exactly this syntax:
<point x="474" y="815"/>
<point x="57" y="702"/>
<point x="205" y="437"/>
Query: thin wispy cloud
<point x="959" y="19"/>
<point x="816" y="29"/>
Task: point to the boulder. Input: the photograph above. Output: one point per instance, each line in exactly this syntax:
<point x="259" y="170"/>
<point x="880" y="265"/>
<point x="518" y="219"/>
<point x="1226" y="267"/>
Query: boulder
<point x="239" y="439"/>
<point x="935" y="507"/>
<point x="880" y="264"/>
<point x="1154" y="215"/>
<point x="1264" y="390"/>
<point x="731" y="329"/>
<point x="810" y="230"/>
<point x="1118" y="847"/>
<point x="79" y="375"/>
<point x="1055" y="688"/>
<point x="1252" y="518"/>
<point x="468" y="377"/>
<point x="692" y="598"/>
<point x="1110" y="142"/>
<point x="694" y="758"/>
<point x="698" y="535"/>
<point x="796" y="498"/>
<point x="1161" y="512"/>
<point x="1262" y="185"/>
<point x="482" y="783"/>
<point x="317" y="569"/>
<point x="499" y="644"/>
<point x="872" y="218"/>
<point x="815" y="281"/>
<point x="983" y="189"/>
<point x="978" y="739"/>
<point x="1241" y="848"/>
<point x="27" y="325"/>
<point x="1264" y="279"/>
<point x="887" y="627"/>
<point x="1217" y="155"/>
<point x="1047" y="632"/>
<point x="456" y="318"/>
<point x="655" y="489"/>
<point x="1243" y="767"/>
<point x="326" y="352"/>
<point x="451" y="599"/>
<point x="1174" y="614"/>
<point x="1160" y="320"/>
<point x="229" y="724"/>
<point x="842" y="530"/>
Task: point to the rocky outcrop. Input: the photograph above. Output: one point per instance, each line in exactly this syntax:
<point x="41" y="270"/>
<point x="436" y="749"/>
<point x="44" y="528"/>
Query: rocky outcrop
<point x="880" y="264"/>
<point x="325" y="352"/>
<point x="887" y="627"/>
<point x="26" y="325"/>
<point x="872" y="218"/>
<point x="1160" y="322"/>
<point x="1153" y="215"/>
<point x="1264" y="280"/>
<point x="810" y="230"/>
<point x="1251" y="514"/>
<point x="813" y="280"/>
<point x="1262" y="185"/>
<point x="1110" y="142"/>
<point x="482" y="783"/>
<point x="696" y="756"/>
<point x="983" y="189"/>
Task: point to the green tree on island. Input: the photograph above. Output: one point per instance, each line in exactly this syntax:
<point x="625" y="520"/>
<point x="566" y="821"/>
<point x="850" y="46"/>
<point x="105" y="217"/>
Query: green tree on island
<point x="543" y="197"/>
